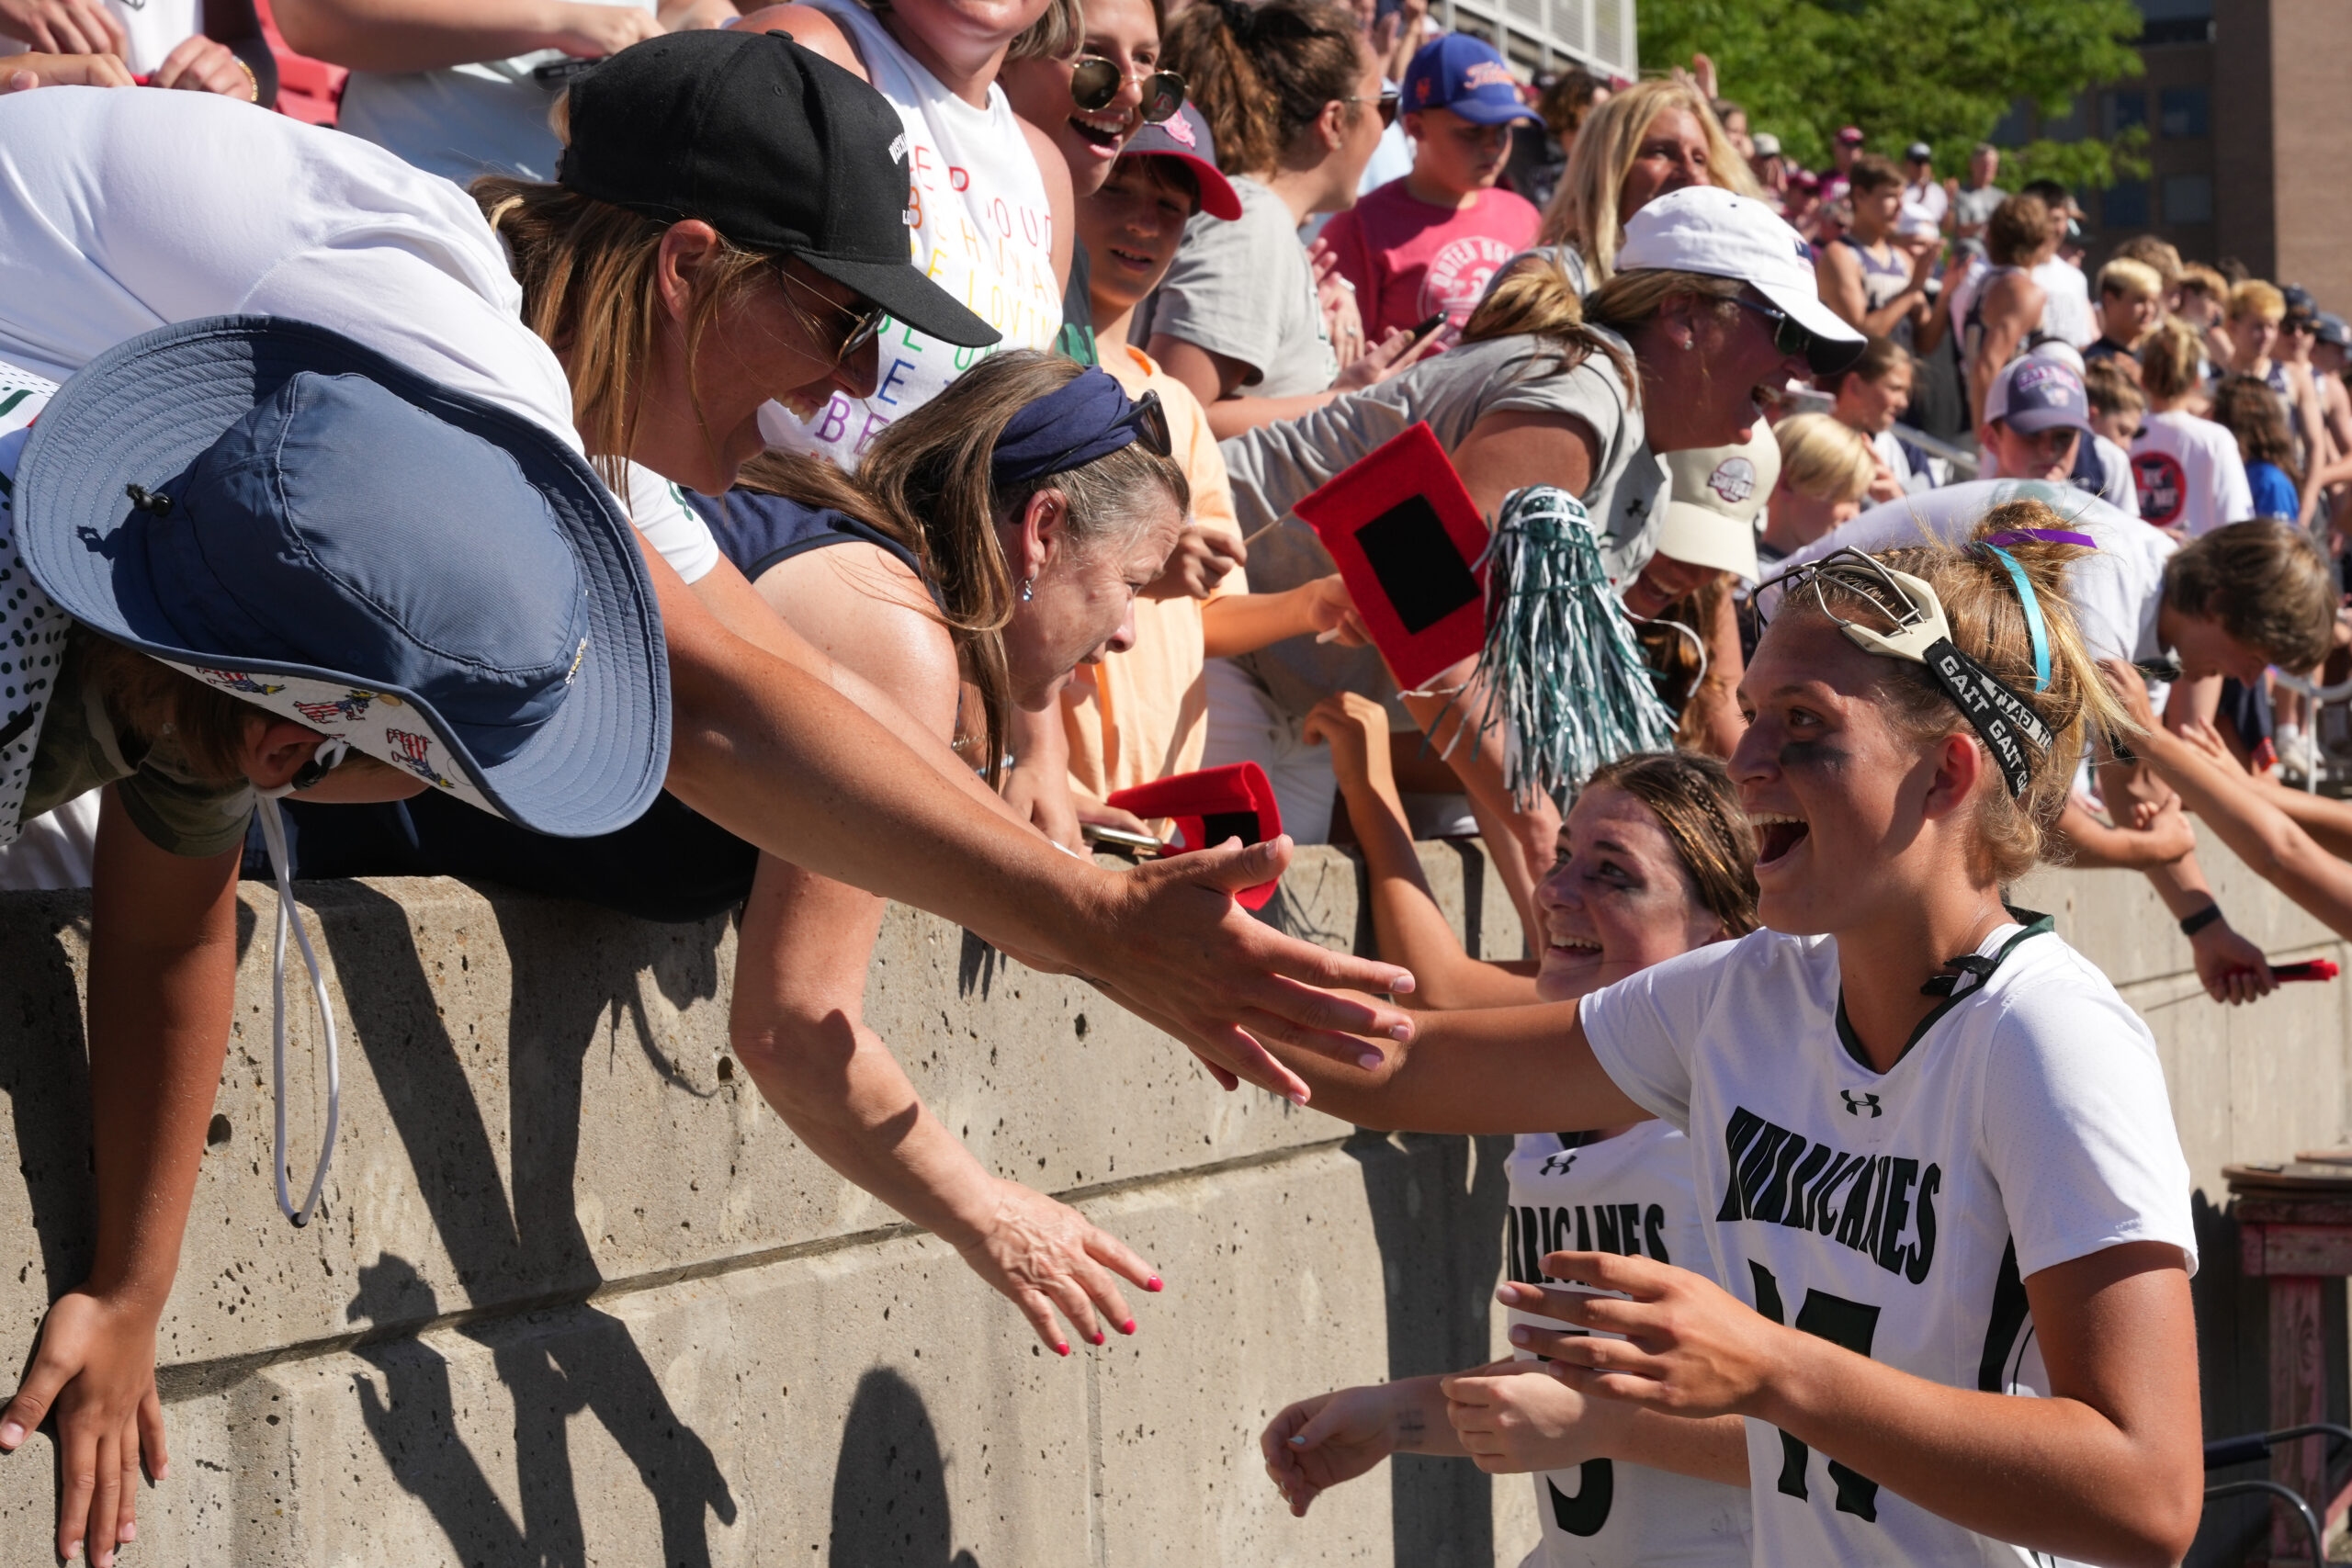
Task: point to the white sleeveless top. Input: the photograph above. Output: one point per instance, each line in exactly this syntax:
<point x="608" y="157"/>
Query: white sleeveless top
<point x="1636" y="1195"/>
<point x="983" y="232"/>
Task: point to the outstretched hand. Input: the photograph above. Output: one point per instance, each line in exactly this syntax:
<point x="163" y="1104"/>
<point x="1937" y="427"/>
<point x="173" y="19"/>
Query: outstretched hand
<point x="23" y="72"/>
<point x="1044" y="1255"/>
<point x="1514" y="1417"/>
<point x="1314" y="1445"/>
<point x="1690" y="1348"/>
<point x="1398" y="352"/>
<point x="1172" y="946"/>
<point x="96" y="1371"/>
<point x="1356" y="729"/>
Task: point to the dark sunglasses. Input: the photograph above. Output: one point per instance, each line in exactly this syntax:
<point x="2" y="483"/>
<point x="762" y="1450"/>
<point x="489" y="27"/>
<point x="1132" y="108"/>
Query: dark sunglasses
<point x="1387" y="105"/>
<point x="865" y="326"/>
<point x="1094" y="82"/>
<point x="1789" y="335"/>
<point x="1145" y="417"/>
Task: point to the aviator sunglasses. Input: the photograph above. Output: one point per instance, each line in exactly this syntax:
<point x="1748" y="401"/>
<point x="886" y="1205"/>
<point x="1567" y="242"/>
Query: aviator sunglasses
<point x="863" y="325"/>
<point x="1094" y="82"/>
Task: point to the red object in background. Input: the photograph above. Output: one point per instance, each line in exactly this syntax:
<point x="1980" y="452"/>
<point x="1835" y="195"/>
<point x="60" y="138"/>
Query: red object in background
<point x="2309" y="969"/>
<point x="1407" y="538"/>
<point x="308" y="90"/>
<point x="1210" y="807"/>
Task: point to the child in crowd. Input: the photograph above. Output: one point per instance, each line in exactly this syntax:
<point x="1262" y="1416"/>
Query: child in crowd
<point x="1942" y="1164"/>
<point x="2118" y="405"/>
<point x="1424" y="246"/>
<point x="1656" y="859"/>
<point x="1296" y="100"/>
<point x="1870" y="398"/>
<point x="2130" y="302"/>
<point x="989" y="210"/>
<point x="1875" y="279"/>
<point x="2248" y="410"/>
<point x="2190" y="475"/>
<point x="1139" y="714"/>
<point x="214" y="517"/>
<point x="1826" y="471"/>
<point x="1089" y="82"/>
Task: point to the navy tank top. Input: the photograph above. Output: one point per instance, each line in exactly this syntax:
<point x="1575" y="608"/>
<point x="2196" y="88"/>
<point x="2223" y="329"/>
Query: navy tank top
<point x="756" y="530"/>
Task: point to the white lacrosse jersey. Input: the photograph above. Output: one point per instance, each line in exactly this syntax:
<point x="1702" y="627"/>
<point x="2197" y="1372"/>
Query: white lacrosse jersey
<point x="1634" y="1195"/>
<point x="1898" y="1214"/>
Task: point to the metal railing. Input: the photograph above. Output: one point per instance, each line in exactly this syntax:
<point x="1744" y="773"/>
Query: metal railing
<point x="1595" y="34"/>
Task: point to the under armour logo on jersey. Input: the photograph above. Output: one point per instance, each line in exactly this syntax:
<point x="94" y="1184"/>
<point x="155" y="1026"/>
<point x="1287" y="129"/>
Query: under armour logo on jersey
<point x="1556" y="1164"/>
<point x="1854" y="1107"/>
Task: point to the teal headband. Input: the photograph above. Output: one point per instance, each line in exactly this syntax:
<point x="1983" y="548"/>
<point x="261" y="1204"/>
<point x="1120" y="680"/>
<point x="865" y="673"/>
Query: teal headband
<point x="2033" y="615"/>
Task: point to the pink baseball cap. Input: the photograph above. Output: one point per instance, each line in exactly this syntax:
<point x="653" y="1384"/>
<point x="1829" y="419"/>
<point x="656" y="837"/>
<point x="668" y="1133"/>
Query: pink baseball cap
<point x="1185" y="135"/>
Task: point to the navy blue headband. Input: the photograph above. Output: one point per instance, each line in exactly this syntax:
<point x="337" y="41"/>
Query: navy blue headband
<point x="1085" y="418"/>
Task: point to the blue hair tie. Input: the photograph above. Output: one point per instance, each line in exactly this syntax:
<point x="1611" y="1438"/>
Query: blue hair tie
<point x="2033" y="615"/>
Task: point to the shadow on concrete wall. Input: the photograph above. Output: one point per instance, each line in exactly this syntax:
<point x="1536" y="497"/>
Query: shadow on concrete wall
<point x="1436" y="1214"/>
<point x="889" y="1491"/>
<point x="501" y="1249"/>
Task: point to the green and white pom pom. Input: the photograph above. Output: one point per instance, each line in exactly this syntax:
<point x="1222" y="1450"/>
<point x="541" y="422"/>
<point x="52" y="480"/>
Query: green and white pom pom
<point x="1564" y="675"/>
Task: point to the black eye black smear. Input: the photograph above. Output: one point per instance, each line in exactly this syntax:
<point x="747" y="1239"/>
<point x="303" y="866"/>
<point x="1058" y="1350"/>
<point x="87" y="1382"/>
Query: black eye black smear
<point x="1813" y="754"/>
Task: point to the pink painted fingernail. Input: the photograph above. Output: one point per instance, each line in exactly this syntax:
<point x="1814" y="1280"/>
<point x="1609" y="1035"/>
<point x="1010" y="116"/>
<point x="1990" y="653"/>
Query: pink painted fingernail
<point x="1153" y="1284"/>
<point x="1096" y="1337"/>
<point x="1128" y="1326"/>
<point x="1369" y="1060"/>
<point x="1061" y="1350"/>
<point x="1403" y="1031"/>
<point x="1404" y="985"/>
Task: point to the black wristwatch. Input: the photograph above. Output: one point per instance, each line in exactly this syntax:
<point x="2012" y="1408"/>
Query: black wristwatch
<point x="2192" y="924"/>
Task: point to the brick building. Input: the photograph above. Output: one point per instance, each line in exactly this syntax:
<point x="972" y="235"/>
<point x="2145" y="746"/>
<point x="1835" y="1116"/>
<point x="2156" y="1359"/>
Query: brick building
<point x="2249" y="123"/>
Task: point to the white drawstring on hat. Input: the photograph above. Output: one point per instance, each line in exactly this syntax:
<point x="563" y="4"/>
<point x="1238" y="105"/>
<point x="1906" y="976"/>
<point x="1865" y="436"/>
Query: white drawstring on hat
<point x="273" y="832"/>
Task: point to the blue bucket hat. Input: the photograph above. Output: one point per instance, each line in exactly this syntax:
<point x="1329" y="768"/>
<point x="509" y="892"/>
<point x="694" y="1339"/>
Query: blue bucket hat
<point x="294" y="518"/>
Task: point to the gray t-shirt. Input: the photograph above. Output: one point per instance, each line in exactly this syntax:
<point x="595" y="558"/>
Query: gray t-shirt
<point x="1273" y="467"/>
<point x="1243" y="290"/>
<point x="1971" y="209"/>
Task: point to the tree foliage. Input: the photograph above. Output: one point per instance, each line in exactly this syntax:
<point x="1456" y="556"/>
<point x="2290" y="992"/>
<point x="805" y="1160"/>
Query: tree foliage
<point x="1942" y="71"/>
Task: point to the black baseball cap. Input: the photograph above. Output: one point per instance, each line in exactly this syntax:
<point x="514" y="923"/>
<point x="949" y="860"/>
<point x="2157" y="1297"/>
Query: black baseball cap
<point x="772" y="145"/>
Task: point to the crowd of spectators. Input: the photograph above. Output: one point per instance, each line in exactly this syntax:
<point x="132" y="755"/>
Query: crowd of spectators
<point x="933" y="388"/>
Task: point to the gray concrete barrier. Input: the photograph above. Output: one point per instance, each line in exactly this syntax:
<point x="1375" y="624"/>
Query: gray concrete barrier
<point x="575" y="1295"/>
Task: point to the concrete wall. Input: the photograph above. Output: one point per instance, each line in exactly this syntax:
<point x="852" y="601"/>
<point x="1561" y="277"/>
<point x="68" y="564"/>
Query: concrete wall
<point x="576" y="1296"/>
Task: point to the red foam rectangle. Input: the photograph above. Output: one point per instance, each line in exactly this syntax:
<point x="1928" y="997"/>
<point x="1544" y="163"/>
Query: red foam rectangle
<point x="1209" y="806"/>
<point x="1407" y="539"/>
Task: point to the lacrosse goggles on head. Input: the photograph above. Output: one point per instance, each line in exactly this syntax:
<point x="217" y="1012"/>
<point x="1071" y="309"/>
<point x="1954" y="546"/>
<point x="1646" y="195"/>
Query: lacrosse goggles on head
<point x="1920" y="633"/>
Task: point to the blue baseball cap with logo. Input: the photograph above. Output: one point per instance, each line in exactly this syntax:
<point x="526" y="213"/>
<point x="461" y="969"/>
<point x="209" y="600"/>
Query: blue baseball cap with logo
<point x="1464" y="74"/>
<point x="2035" y="394"/>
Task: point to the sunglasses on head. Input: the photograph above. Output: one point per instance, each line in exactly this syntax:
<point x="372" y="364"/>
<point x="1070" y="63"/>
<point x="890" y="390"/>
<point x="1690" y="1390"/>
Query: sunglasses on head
<point x="865" y="326"/>
<point x="1094" y="82"/>
<point x="1789" y="335"/>
<point x="1144" y="416"/>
